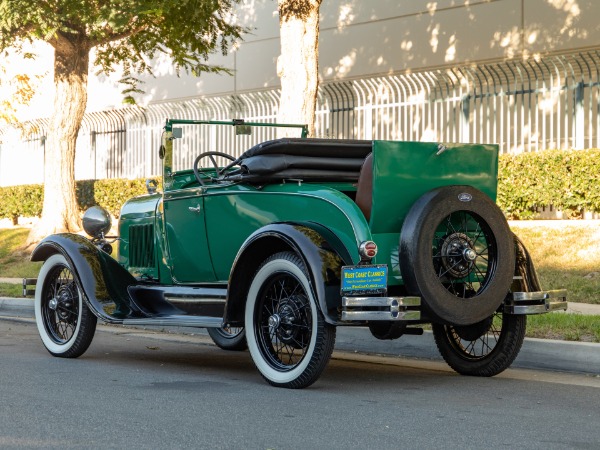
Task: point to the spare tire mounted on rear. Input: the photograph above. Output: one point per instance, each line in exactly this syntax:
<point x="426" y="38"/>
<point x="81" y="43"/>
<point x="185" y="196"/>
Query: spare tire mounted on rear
<point x="457" y="254"/>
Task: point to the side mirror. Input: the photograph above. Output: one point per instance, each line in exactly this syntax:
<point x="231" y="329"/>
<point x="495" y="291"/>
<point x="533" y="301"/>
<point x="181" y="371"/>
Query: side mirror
<point x="243" y="130"/>
<point x="240" y="128"/>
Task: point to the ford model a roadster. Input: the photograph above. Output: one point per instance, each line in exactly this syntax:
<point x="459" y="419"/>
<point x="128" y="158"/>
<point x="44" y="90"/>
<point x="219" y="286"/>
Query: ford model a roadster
<point x="274" y="249"/>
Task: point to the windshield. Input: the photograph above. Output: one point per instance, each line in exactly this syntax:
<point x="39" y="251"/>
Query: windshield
<point x="189" y="138"/>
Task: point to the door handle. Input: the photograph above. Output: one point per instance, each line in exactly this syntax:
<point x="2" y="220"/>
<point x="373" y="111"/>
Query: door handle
<point x="196" y="209"/>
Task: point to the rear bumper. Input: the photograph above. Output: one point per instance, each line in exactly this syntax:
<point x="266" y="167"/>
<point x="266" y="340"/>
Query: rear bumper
<point x="407" y="309"/>
<point x="536" y="302"/>
<point x="360" y="309"/>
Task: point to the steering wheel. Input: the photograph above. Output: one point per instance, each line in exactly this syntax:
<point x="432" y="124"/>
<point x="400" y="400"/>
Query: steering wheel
<point x="201" y="176"/>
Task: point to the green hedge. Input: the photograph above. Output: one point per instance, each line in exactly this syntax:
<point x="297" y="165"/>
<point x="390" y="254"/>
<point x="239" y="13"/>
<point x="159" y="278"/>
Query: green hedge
<point x="27" y="200"/>
<point x="565" y="179"/>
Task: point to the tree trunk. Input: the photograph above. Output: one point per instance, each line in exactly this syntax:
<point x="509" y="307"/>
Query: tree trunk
<point x="60" y="212"/>
<point x="298" y="64"/>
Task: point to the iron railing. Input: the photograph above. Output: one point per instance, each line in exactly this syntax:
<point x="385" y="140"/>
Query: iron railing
<point x="531" y="105"/>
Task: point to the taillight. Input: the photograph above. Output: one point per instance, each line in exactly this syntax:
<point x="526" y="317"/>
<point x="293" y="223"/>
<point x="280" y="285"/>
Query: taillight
<point x="367" y="250"/>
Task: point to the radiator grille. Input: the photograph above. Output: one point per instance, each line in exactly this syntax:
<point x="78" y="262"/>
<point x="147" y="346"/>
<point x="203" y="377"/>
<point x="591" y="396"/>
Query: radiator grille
<point x="141" y="245"/>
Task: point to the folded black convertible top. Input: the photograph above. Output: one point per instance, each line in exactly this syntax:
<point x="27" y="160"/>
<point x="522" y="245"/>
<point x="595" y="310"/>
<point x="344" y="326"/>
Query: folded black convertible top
<point x="306" y="159"/>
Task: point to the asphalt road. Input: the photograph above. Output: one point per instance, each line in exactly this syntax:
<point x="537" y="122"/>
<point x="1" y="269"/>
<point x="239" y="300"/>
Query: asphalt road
<point x="137" y="389"/>
<point x="566" y="356"/>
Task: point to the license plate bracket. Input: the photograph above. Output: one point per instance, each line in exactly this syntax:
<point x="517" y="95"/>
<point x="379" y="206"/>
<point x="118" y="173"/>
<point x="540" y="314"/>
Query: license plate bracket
<point x="364" y="280"/>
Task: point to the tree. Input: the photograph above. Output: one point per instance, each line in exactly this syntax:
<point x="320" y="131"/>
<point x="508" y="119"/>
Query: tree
<point x="16" y="89"/>
<point x="298" y="64"/>
<point x="126" y="32"/>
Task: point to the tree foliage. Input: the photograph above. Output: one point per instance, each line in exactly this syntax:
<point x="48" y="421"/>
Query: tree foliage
<point x="125" y="33"/>
<point x="16" y="89"/>
<point x="128" y="34"/>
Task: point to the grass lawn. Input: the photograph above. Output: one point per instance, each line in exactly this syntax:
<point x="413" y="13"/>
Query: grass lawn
<point x="566" y="255"/>
<point x="567" y="327"/>
<point x="14" y="262"/>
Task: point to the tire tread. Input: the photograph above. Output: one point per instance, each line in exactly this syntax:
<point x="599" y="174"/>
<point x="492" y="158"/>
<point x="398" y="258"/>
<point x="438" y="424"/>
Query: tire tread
<point x="497" y="361"/>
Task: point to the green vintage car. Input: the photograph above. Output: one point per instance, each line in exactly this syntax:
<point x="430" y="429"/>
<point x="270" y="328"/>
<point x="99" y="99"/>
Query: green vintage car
<point x="274" y="249"/>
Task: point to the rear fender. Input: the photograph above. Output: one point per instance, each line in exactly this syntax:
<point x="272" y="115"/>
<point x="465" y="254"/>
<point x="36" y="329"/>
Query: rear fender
<point x="100" y="278"/>
<point x="321" y="251"/>
<point x="526" y="278"/>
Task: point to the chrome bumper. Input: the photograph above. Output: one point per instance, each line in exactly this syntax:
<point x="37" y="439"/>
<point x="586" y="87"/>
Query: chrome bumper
<point x="536" y="302"/>
<point x="380" y="308"/>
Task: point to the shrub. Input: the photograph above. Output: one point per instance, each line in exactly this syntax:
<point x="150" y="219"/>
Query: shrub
<point x="27" y="200"/>
<point x="565" y="179"/>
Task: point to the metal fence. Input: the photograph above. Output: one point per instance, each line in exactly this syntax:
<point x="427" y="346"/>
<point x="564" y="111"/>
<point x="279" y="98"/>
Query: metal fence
<point x="552" y="102"/>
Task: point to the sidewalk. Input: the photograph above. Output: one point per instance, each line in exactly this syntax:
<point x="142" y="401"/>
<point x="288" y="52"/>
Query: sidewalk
<point x="538" y="354"/>
<point x="576" y="308"/>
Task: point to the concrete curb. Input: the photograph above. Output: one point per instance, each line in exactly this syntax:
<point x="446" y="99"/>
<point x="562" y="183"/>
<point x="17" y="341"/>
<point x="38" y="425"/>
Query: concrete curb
<point x="539" y="354"/>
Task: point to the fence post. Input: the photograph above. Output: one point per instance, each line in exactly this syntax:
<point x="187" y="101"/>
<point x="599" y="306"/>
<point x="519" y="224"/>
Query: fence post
<point x="465" y="115"/>
<point x="579" y="117"/>
<point x="93" y="151"/>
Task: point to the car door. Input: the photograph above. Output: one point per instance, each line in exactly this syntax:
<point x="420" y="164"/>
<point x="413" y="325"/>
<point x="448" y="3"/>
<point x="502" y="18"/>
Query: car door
<point x="185" y="228"/>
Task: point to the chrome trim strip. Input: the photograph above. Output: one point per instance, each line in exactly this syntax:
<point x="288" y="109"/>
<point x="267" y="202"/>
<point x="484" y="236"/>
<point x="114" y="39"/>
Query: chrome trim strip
<point x="381" y="301"/>
<point x="194" y="300"/>
<point x="557" y="293"/>
<point x="537" y="309"/>
<point x="204" y="291"/>
<point x="179" y="321"/>
<point x="395" y="308"/>
<point x="179" y="194"/>
<point x="380" y="315"/>
<point x="557" y="306"/>
<point x="545" y="301"/>
<point x="540" y="295"/>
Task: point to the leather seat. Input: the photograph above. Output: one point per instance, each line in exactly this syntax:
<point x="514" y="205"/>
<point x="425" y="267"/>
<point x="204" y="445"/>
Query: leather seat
<point x="364" y="187"/>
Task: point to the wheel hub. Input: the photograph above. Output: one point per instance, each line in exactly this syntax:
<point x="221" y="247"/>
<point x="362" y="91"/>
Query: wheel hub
<point x="274" y="322"/>
<point x="286" y="320"/>
<point x="458" y="255"/>
<point x="63" y="302"/>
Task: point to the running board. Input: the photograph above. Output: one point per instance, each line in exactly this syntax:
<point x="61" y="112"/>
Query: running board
<point x="177" y="321"/>
<point x="179" y="300"/>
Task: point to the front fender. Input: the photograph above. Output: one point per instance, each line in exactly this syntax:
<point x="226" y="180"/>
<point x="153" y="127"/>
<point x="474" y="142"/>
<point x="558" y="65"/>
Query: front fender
<point x="102" y="280"/>
<point x="322" y="253"/>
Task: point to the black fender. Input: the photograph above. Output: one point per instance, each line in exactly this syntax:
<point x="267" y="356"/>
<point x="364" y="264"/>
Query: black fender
<point x="526" y="277"/>
<point x="99" y="277"/>
<point x="321" y="251"/>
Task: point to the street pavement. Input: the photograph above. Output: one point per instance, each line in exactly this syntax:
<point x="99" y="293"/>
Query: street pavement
<point x="351" y="342"/>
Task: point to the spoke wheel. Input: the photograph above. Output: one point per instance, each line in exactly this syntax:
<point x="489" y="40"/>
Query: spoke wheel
<point x="229" y="338"/>
<point x="464" y="253"/>
<point x="290" y="342"/>
<point x="457" y="254"/>
<point x="65" y="323"/>
<point x="483" y="349"/>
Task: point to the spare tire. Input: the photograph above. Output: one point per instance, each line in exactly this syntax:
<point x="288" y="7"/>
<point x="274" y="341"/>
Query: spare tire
<point x="457" y="254"/>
